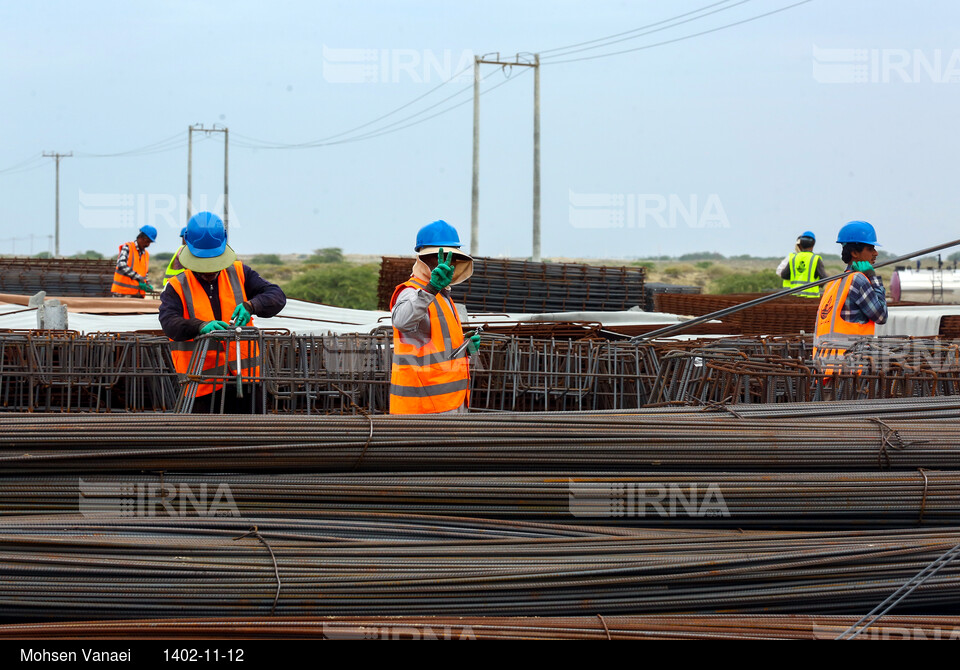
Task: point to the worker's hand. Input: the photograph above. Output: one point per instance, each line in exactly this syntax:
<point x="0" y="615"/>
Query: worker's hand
<point x="211" y="326"/>
<point x="442" y="275"/>
<point x="144" y="286"/>
<point x="473" y="343"/>
<point x="862" y="266"/>
<point x="241" y="315"/>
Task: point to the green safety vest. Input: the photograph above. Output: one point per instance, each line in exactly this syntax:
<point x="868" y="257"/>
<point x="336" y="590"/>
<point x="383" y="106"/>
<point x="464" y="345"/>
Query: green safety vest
<point x="171" y="273"/>
<point x="803" y="271"/>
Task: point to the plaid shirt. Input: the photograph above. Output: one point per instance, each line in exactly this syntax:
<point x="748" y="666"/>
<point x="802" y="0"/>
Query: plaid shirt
<point x="866" y="301"/>
<point x="123" y="263"/>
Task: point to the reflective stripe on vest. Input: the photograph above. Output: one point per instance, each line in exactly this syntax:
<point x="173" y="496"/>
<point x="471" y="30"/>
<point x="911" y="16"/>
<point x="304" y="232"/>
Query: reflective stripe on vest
<point x="138" y="263"/>
<point x="196" y="305"/>
<point x="427" y="379"/>
<point x="834" y="333"/>
<point x="171" y="272"/>
<point x="802" y="266"/>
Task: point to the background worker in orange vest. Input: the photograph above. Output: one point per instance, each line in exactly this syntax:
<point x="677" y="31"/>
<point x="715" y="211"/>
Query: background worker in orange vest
<point x="133" y="261"/>
<point x="213" y="289"/>
<point x="431" y="370"/>
<point x="853" y="305"/>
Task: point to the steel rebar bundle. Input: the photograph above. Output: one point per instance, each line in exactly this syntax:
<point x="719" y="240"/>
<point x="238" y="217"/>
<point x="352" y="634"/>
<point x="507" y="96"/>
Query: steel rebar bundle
<point x="555" y="440"/>
<point x="810" y="500"/>
<point x="500" y="285"/>
<point x="71" y="568"/>
<point x="612" y="627"/>
<point x="56" y="276"/>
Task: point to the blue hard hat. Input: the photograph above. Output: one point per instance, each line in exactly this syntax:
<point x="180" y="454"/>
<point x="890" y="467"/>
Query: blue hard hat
<point x="183" y="232"/>
<point x="809" y="234"/>
<point x="437" y="234"/>
<point x="206" y="237"/>
<point x="859" y="232"/>
<point x="150" y="232"/>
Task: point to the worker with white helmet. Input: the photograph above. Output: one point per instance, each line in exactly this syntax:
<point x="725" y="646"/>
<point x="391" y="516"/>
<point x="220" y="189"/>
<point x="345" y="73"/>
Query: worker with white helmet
<point x="853" y="305"/>
<point x="133" y="262"/>
<point x="431" y="370"/>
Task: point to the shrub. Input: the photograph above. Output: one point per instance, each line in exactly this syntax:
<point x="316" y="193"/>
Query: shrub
<point x="703" y="265"/>
<point x="747" y="282"/>
<point x="327" y="255"/>
<point x="266" y="259"/>
<point x="674" y="271"/>
<point x="89" y="254"/>
<point x="338" y="284"/>
<point x="164" y="256"/>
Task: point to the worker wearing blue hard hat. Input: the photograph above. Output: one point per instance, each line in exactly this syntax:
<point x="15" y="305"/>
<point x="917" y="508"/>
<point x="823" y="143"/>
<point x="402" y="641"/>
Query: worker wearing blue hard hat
<point x="175" y="267"/>
<point x="431" y="371"/>
<point x="215" y="292"/>
<point x="802" y="266"/>
<point x="133" y="262"/>
<point x="853" y="305"/>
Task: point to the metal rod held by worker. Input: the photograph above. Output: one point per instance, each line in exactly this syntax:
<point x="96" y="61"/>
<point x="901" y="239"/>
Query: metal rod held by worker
<point x="239" y="378"/>
<point x="677" y="327"/>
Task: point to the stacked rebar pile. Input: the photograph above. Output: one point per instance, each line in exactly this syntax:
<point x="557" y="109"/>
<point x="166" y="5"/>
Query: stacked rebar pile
<point x="56" y="276"/>
<point x="795" y="500"/>
<point x="789" y="315"/>
<point x="599" y="627"/>
<point x="499" y="285"/>
<point x="63" y="568"/>
<point x="555" y="440"/>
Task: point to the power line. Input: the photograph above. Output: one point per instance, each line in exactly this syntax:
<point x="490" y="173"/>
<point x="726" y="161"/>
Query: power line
<point x="635" y="30"/>
<point x="321" y="141"/>
<point x="384" y="130"/>
<point x="22" y="163"/>
<point x="167" y="144"/>
<point x="685" y="37"/>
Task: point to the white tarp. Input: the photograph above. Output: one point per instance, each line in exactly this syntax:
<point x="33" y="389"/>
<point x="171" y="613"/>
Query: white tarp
<point x="312" y="318"/>
<point x="916" y="321"/>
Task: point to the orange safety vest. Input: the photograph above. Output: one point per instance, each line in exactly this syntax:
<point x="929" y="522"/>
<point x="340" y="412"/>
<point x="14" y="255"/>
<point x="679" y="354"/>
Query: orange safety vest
<point x="196" y="305"/>
<point x="427" y="379"/>
<point x="832" y="328"/>
<point x="138" y="262"/>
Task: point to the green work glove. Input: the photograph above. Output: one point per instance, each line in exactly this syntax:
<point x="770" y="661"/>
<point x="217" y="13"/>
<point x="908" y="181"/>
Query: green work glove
<point x="241" y="315"/>
<point x="211" y="326"/>
<point x="862" y="266"/>
<point x="442" y="275"/>
<point x="473" y="343"/>
<point x="144" y="286"/>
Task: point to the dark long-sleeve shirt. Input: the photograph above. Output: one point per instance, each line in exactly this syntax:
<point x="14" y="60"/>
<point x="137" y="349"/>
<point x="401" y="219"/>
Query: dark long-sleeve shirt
<point x="263" y="299"/>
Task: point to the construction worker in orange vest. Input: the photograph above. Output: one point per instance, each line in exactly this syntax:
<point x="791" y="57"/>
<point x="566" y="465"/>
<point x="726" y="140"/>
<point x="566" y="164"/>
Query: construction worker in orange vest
<point x="133" y="261"/>
<point x="853" y="305"/>
<point x="215" y="287"/>
<point x="431" y="369"/>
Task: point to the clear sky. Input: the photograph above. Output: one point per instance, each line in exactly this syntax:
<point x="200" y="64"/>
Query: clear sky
<point x="746" y="136"/>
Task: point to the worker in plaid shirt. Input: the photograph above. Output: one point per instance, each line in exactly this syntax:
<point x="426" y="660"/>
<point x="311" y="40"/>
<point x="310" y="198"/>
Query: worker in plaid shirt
<point x="852" y="305"/>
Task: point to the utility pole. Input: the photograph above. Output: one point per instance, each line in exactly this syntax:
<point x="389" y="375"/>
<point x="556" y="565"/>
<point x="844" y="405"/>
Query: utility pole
<point x="199" y="127"/>
<point x="536" y="158"/>
<point x="57" y="156"/>
<point x="475" y="198"/>
<point x="494" y="59"/>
